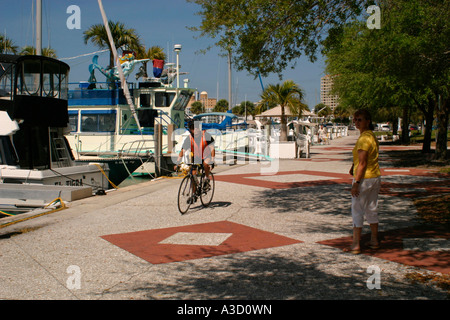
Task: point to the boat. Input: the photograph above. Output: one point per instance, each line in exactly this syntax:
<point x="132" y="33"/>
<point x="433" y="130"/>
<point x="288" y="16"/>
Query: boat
<point x="220" y="121"/>
<point x="34" y="121"/>
<point x="102" y="123"/>
<point x="236" y="140"/>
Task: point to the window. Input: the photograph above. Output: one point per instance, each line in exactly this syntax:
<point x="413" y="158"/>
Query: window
<point x="98" y="121"/>
<point x="30" y="77"/>
<point x="182" y="100"/>
<point x="6" y="83"/>
<point x="51" y="79"/>
<point x="73" y="120"/>
<point x="41" y="77"/>
<point x="163" y="99"/>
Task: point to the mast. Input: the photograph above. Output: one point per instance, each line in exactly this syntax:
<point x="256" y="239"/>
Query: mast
<point x="38" y="27"/>
<point x="123" y="81"/>
<point x="229" y="80"/>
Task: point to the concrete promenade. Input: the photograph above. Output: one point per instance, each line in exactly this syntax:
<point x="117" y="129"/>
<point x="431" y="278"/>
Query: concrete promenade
<point x="265" y="236"/>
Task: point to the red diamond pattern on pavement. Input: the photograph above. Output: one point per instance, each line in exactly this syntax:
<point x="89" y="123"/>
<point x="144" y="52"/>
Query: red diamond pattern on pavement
<point x="147" y="244"/>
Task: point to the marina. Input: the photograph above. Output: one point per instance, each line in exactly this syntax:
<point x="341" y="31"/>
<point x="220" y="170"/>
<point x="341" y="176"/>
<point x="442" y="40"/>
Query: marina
<point x="94" y="137"/>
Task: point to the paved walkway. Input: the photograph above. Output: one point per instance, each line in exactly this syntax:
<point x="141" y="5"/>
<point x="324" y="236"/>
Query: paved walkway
<point x="277" y="235"/>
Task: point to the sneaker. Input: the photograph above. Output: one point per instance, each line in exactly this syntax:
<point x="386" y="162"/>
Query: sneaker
<point x="192" y="199"/>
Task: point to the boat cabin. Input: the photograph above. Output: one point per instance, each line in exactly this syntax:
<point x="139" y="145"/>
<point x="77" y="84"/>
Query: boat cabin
<point x="101" y="119"/>
<point x="33" y="91"/>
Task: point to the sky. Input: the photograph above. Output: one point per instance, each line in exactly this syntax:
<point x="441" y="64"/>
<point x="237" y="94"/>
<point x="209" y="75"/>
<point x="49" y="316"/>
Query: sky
<point x="161" y="23"/>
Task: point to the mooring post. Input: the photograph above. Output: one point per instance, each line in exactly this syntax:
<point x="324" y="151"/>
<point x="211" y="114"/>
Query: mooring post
<point x="170" y="138"/>
<point x="158" y="149"/>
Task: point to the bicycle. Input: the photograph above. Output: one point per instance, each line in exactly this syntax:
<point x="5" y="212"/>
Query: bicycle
<point x="191" y="188"/>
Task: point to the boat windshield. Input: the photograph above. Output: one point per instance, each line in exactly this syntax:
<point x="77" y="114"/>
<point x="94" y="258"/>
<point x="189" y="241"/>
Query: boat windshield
<point x="44" y="78"/>
<point x="6" y="82"/>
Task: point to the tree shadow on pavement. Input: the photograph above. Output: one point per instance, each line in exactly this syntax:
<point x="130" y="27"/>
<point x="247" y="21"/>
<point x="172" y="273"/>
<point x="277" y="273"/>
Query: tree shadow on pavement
<point x="288" y="274"/>
<point x="327" y="208"/>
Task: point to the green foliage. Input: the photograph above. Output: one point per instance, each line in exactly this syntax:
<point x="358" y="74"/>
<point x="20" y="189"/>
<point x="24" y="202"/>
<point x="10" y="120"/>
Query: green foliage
<point x="266" y="36"/>
<point x="46" y="52"/>
<point x="221" y="106"/>
<point x="287" y="95"/>
<point x="399" y="67"/>
<point x="245" y="108"/>
<point x="197" y="107"/>
<point x="123" y="37"/>
<point x="7" y="45"/>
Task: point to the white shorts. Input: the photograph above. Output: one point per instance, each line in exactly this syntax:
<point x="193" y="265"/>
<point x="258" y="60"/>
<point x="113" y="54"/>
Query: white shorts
<point x="366" y="204"/>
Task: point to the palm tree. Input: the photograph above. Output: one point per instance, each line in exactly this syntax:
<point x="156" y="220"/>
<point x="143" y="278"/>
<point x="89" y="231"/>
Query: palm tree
<point x="30" y="50"/>
<point x="123" y="37"/>
<point x="6" y="45"/>
<point x="286" y="95"/>
<point x="151" y="53"/>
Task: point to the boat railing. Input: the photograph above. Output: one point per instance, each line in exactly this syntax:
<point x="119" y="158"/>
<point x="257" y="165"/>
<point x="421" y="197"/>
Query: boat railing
<point x="138" y="148"/>
<point x="163" y="119"/>
<point x="85" y="85"/>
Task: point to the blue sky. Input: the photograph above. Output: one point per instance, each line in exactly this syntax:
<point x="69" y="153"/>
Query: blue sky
<point x="162" y="23"/>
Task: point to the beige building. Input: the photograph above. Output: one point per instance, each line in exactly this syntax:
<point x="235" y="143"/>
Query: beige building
<point x="326" y="84"/>
<point x="208" y="103"/>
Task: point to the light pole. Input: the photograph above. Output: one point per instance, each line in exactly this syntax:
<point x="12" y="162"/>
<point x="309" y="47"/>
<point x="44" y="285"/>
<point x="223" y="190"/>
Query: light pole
<point x="177" y="49"/>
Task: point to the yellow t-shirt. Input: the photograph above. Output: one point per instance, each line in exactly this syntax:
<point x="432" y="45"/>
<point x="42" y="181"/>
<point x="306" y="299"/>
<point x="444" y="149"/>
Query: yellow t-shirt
<point x="367" y="142"/>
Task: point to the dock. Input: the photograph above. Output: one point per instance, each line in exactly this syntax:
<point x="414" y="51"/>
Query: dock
<point x="273" y="234"/>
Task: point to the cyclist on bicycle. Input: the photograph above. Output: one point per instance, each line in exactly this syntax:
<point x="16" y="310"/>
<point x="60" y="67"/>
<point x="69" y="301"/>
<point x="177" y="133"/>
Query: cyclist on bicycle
<point x="201" y="145"/>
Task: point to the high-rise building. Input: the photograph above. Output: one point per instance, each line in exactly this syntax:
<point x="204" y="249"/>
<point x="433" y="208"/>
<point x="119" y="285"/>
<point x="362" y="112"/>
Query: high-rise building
<point x="326" y="84"/>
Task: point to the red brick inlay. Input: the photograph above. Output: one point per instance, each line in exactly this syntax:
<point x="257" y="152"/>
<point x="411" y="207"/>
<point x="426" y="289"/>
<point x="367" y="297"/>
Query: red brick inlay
<point x="146" y="244"/>
<point x="392" y="249"/>
<point x="249" y="179"/>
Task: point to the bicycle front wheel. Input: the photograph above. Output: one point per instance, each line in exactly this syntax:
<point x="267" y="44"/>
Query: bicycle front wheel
<point x="185" y="194"/>
<point x="207" y="189"/>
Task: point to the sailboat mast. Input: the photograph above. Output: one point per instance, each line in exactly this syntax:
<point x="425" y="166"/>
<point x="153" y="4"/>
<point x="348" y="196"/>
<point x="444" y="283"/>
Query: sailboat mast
<point x="119" y="66"/>
<point x="230" y="107"/>
<point x="39" y="27"/>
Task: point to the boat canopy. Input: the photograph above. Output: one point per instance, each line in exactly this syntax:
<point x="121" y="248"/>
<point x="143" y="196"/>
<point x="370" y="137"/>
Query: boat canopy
<point x="34" y="89"/>
<point x="226" y="122"/>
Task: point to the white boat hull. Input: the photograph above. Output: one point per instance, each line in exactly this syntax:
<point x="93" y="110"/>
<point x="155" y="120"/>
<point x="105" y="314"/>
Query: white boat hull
<point x="84" y="175"/>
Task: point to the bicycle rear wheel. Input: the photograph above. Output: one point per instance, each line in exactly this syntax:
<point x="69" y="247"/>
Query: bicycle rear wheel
<point x="185" y="194"/>
<point x="207" y="189"/>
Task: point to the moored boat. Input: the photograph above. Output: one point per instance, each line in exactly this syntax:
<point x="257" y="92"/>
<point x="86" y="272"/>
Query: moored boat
<point x="34" y="118"/>
<point x="102" y="124"/>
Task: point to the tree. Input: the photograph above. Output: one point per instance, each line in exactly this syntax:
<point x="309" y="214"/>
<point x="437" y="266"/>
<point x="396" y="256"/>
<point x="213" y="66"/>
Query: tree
<point x="122" y="36"/>
<point x="265" y="36"/>
<point x="7" y="45"/>
<point x="46" y="52"/>
<point x="244" y="109"/>
<point x="404" y="64"/>
<point x="196" y="107"/>
<point x="322" y="110"/>
<point x="286" y="95"/>
<point x="221" y="106"/>
<point x="341" y="114"/>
